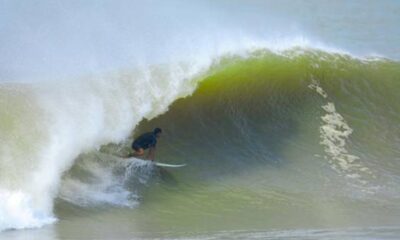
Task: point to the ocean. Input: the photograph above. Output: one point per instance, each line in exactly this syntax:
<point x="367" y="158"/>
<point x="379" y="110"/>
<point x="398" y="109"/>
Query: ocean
<point x="286" y="113"/>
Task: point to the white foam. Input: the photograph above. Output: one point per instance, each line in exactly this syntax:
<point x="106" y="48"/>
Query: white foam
<point x="75" y="117"/>
<point x="17" y="211"/>
<point x="334" y="133"/>
<point x="110" y="181"/>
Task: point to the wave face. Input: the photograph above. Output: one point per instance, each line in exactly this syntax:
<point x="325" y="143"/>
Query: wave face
<point x="335" y="112"/>
<point x="263" y="135"/>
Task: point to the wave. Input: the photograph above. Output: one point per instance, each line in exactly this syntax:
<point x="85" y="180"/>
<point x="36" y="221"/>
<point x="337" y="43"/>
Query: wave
<point x="245" y="112"/>
<point x="291" y="116"/>
<point x="251" y="104"/>
<point x="45" y="126"/>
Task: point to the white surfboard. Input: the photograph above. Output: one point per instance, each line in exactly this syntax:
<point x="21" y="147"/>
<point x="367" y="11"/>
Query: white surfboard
<point x="169" y="165"/>
<point x="159" y="164"/>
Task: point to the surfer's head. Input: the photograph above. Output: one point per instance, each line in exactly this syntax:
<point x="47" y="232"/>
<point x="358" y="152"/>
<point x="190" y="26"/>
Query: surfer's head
<point x="157" y="131"/>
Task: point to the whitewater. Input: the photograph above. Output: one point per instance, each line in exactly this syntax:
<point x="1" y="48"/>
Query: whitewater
<point x="283" y="111"/>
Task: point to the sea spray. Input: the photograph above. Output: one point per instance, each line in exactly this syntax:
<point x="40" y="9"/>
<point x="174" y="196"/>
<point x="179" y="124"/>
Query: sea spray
<point x="77" y="116"/>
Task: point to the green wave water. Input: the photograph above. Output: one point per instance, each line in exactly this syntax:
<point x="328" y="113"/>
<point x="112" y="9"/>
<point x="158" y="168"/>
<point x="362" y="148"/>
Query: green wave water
<point x="299" y="140"/>
<point x="286" y="113"/>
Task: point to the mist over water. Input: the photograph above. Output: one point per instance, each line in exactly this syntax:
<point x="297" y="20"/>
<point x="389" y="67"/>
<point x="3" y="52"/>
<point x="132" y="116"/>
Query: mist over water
<point x="49" y="40"/>
<point x="282" y="110"/>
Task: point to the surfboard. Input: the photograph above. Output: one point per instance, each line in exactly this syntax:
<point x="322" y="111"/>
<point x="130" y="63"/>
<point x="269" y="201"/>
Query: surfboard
<point x="159" y="164"/>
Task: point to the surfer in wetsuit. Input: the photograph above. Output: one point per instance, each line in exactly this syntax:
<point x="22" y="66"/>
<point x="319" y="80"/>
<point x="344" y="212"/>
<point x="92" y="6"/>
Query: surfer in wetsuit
<point x="146" y="141"/>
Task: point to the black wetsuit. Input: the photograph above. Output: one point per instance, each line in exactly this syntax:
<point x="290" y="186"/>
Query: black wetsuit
<point x="145" y="141"/>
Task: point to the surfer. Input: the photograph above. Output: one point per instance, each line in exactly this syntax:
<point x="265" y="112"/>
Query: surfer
<point x="146" y="141"/>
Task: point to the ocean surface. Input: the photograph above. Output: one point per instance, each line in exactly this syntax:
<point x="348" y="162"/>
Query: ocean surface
<point x="286" y="113"/>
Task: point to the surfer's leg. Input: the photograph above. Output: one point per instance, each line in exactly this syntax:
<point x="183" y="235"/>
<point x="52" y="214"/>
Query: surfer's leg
<point x="138" y="152"/>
